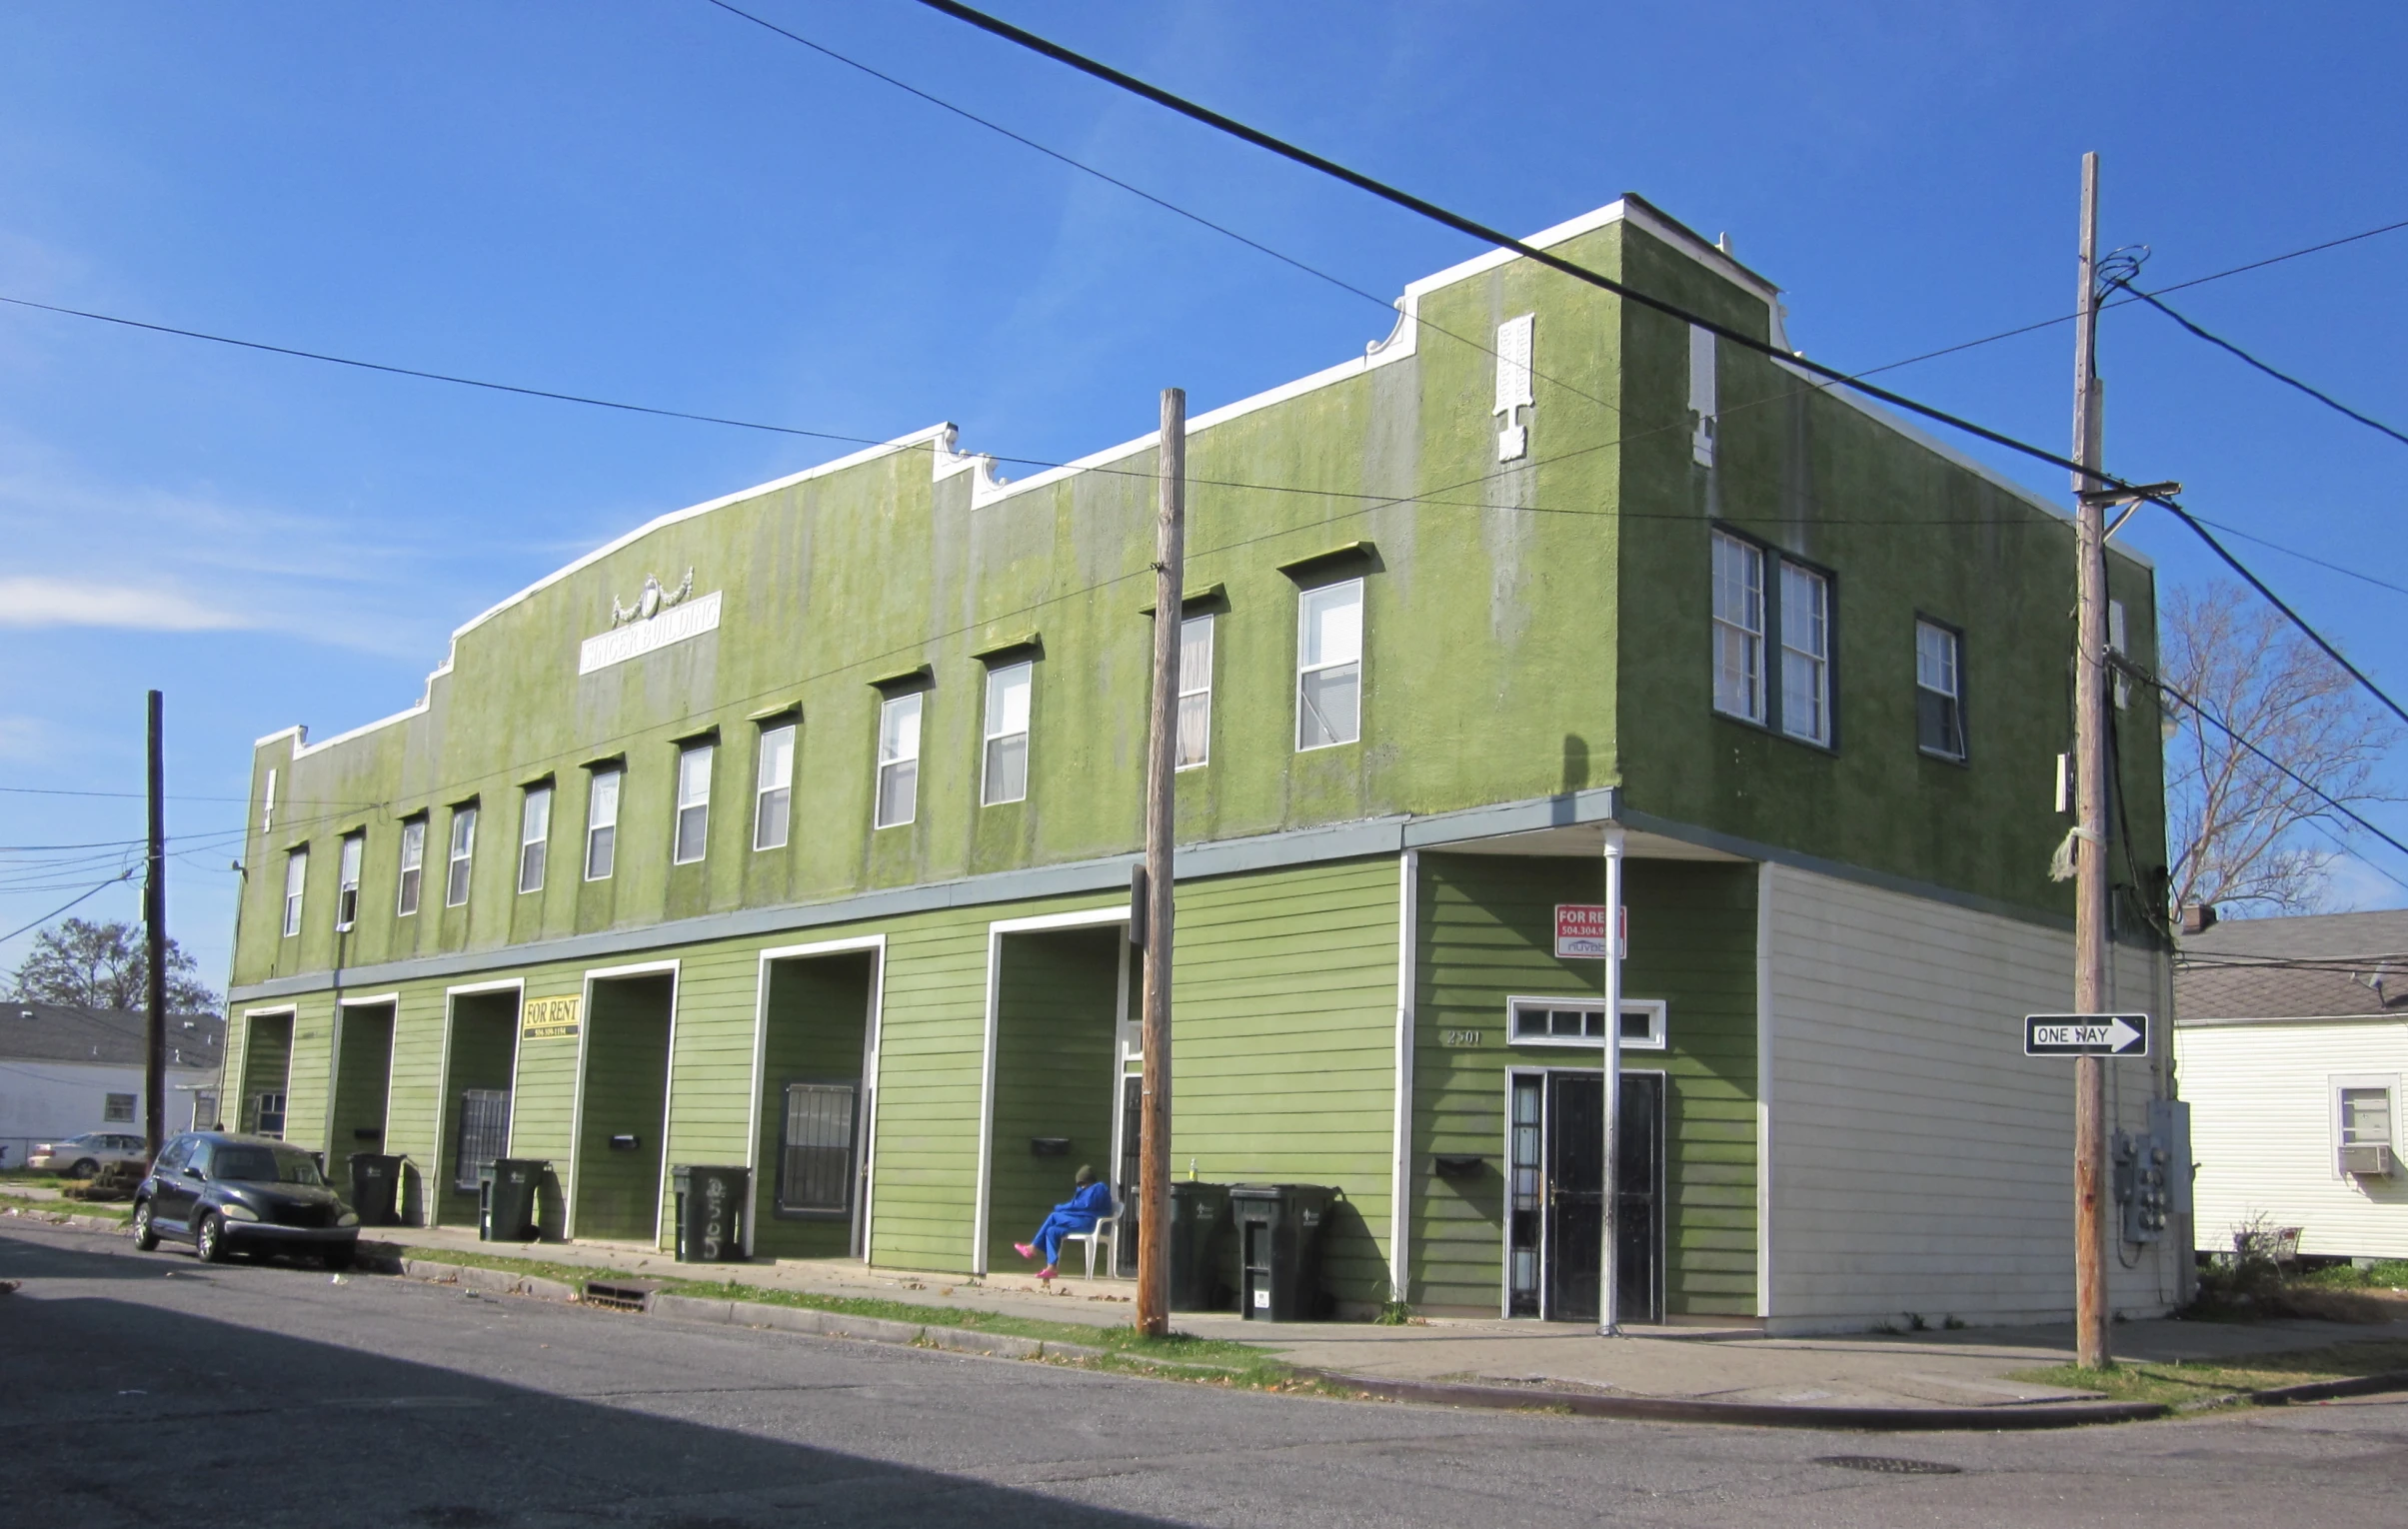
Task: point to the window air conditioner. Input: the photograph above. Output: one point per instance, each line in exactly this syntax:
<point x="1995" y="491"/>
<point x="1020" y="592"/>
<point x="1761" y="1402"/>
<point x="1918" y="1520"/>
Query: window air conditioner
<point x="2374" y="1161"/>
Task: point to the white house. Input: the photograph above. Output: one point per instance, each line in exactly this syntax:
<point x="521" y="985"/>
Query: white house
<point x="2291" y="1040"/>
<point x="66" y="1070"/>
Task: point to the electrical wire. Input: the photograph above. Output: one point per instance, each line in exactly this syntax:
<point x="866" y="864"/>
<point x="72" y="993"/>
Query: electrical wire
<point x="2292" y="551"/>
<point x="2286" y="378"/>
<point x="63" y="907"/>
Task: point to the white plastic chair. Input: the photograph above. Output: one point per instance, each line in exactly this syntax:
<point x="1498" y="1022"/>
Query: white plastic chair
<point x="1105" y="1230"/>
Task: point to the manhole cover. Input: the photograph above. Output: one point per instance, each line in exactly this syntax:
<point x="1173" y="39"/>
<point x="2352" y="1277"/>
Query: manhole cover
<point x="1888" y="1465"/>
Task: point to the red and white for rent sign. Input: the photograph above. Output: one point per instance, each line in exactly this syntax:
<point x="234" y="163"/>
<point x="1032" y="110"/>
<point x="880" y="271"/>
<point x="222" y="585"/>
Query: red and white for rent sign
<point x="1581" y="930"/>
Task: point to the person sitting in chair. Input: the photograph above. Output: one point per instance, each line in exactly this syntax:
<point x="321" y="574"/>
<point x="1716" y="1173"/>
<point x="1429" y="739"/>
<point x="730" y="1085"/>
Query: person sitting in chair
<point x="1079" y="1213"/>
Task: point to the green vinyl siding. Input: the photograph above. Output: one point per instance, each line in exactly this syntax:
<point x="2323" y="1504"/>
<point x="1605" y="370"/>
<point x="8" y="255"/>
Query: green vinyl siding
<point x="623" y="1091"/>
<point x="1057" y="1009"/>
<point x="712" y="1072"/>
<point x="816" y="1019"/>
<point x="932" y="1030"/>
<point x="484" y="1035"/>
<point x="363" y="1070"/>
<point x="412" y="1122"/>
<point x="307" y="1077"/>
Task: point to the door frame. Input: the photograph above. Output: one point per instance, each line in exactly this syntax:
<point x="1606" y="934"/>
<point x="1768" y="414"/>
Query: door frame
<point x="334" y="1063"/>
<point x="443" y="1078"/>
<point x="865" y="1101"/>
<point x="577" y="1109"/>
<point x="1543" y="1071"/>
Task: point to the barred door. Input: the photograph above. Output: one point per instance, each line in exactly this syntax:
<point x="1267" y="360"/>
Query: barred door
<point x="484" y="1133"/>
<point x="815" y="1165"/>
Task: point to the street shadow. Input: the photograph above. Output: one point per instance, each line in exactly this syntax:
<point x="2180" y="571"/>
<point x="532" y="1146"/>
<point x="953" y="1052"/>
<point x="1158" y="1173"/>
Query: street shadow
<point x="123" y="1412"/>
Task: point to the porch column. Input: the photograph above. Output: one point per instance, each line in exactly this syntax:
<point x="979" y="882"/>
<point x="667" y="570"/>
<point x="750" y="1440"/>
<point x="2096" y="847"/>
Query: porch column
<point x="1612" y="1081"/>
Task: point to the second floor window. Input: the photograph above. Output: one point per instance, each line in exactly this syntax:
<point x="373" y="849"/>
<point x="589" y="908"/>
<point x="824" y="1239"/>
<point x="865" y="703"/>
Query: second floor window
<point x="601" y="825"/>
<point x="347" y="880"/>
<point x="1738" y="628"/>
<point x="535" y="834"/>
<point x="1194" y="692"/>
<point x="296" y="876"/>
<point x="774" y="787"/>
<point x="1330" y="666"/>
<point x="1006" y="776"/>
<point x="1939" y="697"/>
<point x="464" y="851"/>
<point x="413" y="866"/>
<point x="1805" y="653"/>
<point x="694" y="802"/>
<point x="897" y="760"/>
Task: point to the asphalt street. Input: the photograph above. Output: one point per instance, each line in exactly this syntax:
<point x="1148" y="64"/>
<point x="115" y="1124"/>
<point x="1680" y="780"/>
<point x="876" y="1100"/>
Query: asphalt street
<point x="146" y="1389"/>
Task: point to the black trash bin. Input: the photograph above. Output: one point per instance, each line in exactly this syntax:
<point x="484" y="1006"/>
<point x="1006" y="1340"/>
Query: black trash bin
<point x="375" y="1187"/>
<point x="507" y="1203"/>
<point x="709" y="1212"/>
<point x="1279" y="1249"/>
<point x="1199" y="1214"/>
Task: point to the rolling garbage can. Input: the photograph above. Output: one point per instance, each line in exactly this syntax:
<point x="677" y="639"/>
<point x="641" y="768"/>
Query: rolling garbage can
<point x="1279" y="1249"/>
<point x="1198" y="1212"/>
<point x="506" y="1199"/>
<point x="375" y="1185"/>
<point x="709" y="1212"/>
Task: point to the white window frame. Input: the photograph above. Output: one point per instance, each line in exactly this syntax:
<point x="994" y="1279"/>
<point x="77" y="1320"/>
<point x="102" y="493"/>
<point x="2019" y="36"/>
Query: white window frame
<point x="1194" y="692"/>
<point x="2389" y="1082"/>
<point x="1307" y="602"/>
<point x="295" y="884"/>
<point x="1813" y="630"/>
<point x="773" y="783"/>
<point x="535" y="836"/>
<point x="604" y="788"/>
<point x="1953" y="695"/>
<point x="347" y="879"/>
<point x="1739" y="625"/>
<point x="893" y="713"/>
<point x="998" y="731"/>
<point x="459" y="859"/>
<point x="109" y="1108"/>
<point x="1654" y="1010"/>
<point x="693" y="803"/>
<point x="410" y="883"/>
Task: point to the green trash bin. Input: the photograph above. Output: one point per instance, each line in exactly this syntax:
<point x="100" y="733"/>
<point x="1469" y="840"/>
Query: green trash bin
<point x="1200" y="1214"/>
<point x="506" y="1199"/>
<point x="1279" y="1249"/>
<point x="375" y="1181"/>
<point x="709" y="1212"/>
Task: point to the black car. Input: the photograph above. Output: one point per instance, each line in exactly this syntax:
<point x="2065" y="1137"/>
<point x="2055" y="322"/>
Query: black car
<point x="227" y="1194"/>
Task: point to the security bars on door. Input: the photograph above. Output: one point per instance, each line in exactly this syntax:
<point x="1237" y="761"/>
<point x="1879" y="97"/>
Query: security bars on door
<point x="484" y="1133"/>
<point x="814" y="1165"/>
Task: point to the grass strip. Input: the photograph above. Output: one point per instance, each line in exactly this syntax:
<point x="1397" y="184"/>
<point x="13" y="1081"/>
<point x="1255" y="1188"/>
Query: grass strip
<point x="2214" y="1381"/>
<point x="116" y="1211"/>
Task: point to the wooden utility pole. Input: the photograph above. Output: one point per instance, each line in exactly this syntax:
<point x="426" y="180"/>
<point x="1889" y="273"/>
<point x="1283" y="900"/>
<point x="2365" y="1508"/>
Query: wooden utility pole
<point x="2091" y="1316"/>
<point x="1169" y="578"/>
<point x="154" y="921"/>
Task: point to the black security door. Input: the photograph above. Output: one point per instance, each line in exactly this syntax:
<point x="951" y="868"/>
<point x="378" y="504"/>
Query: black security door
<point x="1638" y="1203"/>
<point x="1575" y="1199"/>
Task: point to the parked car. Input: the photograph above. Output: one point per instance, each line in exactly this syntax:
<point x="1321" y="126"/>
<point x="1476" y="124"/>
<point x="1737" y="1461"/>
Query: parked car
<point x="227" y="1194"/>
<point x="82" y="1156"/>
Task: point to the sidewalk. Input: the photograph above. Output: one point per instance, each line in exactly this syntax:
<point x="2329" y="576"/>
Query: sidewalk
<point x="1963" y="1369"/>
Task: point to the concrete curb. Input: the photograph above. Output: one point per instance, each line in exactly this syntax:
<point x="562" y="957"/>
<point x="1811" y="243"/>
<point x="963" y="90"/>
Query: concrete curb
<point x="80" y="1223"/>
<point x="2329" y="1390"/>
<point x="835" y="1324"/>
<point x="494" y="1281"/>
<point x="1670" y="1409"/>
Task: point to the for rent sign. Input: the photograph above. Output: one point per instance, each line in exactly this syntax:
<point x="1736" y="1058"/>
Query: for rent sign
<point x="1581" y="930"/>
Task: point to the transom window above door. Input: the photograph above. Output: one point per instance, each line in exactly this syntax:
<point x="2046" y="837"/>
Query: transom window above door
<point x="1581" y="1022"/>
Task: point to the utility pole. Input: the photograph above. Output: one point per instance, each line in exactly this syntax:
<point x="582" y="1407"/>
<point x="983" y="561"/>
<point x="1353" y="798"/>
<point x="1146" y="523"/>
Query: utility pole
<point x="2090" y="1317"/>
<point x="154" y="920"/>
<point x="1170" y="583"/>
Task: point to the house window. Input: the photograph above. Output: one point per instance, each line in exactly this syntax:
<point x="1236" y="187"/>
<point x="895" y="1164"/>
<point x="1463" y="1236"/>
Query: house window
<point x="1805" y="653"/>
<point x="897" y="759"/>
<point x="2363" y="1116"/>
<point x="1581" y="1022"/>
<point x="296" y="874"/>
<point x="413" y="866"/>
<point x="1939" y="697"/>
<point x="773" y="787"/>
<point x="347" y="880"/>
<point x="464" y="850"/>
<point x="1330" y="666"/>
<point x="602" y="824"/>
<point x="1194" y="692"/>
<point x="118" y="1108"/>
<point x="267" y="1115"/>
<point x="815" y="1157"/>
<point x="1738" y="628"/>
<point x="535" y="834"/>
<point x="694" y="802"/>
<point x="1006" y="776"/>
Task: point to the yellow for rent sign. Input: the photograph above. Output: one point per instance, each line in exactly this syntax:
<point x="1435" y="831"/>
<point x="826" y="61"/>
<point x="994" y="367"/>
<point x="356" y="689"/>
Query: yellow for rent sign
<point x="549" y="1018"/>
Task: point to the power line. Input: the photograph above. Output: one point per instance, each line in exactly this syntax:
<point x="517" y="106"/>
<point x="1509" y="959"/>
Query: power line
<point x="2290" y="551"/>
<point x="2285" y="378"/>
<point x="63" y="907"/>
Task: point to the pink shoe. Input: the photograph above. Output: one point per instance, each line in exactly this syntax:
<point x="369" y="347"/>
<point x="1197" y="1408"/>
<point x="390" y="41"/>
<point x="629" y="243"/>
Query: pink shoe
<point x="1023" y="1249"/>
<point x="1046" y="1274"/>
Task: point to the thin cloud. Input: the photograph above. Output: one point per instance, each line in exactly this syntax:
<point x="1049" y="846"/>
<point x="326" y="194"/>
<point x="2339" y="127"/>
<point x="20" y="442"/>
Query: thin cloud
<point x="40" y="602"/>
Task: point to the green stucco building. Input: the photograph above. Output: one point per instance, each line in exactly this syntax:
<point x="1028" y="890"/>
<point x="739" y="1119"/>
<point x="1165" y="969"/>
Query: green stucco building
<point x="795" y="830"/>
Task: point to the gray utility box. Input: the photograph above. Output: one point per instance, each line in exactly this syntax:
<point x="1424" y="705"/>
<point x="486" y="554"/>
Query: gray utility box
<point x="509" y="1198"/>
<point x="709" y="1212"/>
<point x="1200" y="1216"/>
<point x="1279" y="1231"/>
<point x="375" y="1181"/>
<point x="2152" y="1172"/>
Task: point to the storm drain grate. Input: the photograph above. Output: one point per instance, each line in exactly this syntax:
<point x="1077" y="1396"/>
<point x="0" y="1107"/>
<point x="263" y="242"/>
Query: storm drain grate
<point x="621" y="1294"/>
<point x="1890" y="1465"/>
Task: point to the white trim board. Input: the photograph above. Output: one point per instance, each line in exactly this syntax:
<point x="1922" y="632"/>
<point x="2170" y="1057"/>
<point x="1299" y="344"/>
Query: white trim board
<point x="874" y="943"/>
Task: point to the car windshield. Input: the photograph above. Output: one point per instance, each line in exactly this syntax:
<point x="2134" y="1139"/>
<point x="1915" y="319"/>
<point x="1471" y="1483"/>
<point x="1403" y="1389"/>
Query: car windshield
<point x="264" y="1165"/>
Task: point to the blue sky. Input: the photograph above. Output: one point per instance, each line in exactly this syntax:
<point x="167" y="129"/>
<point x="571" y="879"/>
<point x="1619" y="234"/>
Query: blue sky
<point x="662" y="202"/>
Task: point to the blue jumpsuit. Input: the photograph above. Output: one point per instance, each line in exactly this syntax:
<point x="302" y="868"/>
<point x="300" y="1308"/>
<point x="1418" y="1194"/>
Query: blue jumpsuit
<point x="1079" y="1213"/>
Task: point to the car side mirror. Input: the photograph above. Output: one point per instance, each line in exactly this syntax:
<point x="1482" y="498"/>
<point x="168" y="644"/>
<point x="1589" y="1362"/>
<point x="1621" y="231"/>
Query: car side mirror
<point x="195" y="1174"/>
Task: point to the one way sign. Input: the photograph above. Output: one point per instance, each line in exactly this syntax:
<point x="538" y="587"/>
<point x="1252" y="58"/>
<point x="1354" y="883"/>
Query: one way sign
<point x="2085" y="1034"/>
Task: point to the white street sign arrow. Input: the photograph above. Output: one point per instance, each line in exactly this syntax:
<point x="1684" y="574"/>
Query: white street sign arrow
<point x="2085" y="1034"/>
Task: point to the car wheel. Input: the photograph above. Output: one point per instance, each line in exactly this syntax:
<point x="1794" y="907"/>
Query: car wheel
<point x="84" y="1167"/>
<point x="338" y="1259"/>
<point x="209" y="1238"/>
<point x="146" y="1236"/>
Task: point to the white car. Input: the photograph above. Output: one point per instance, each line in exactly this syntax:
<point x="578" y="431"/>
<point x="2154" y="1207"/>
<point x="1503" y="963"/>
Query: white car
<point x="82" y="1156"/>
